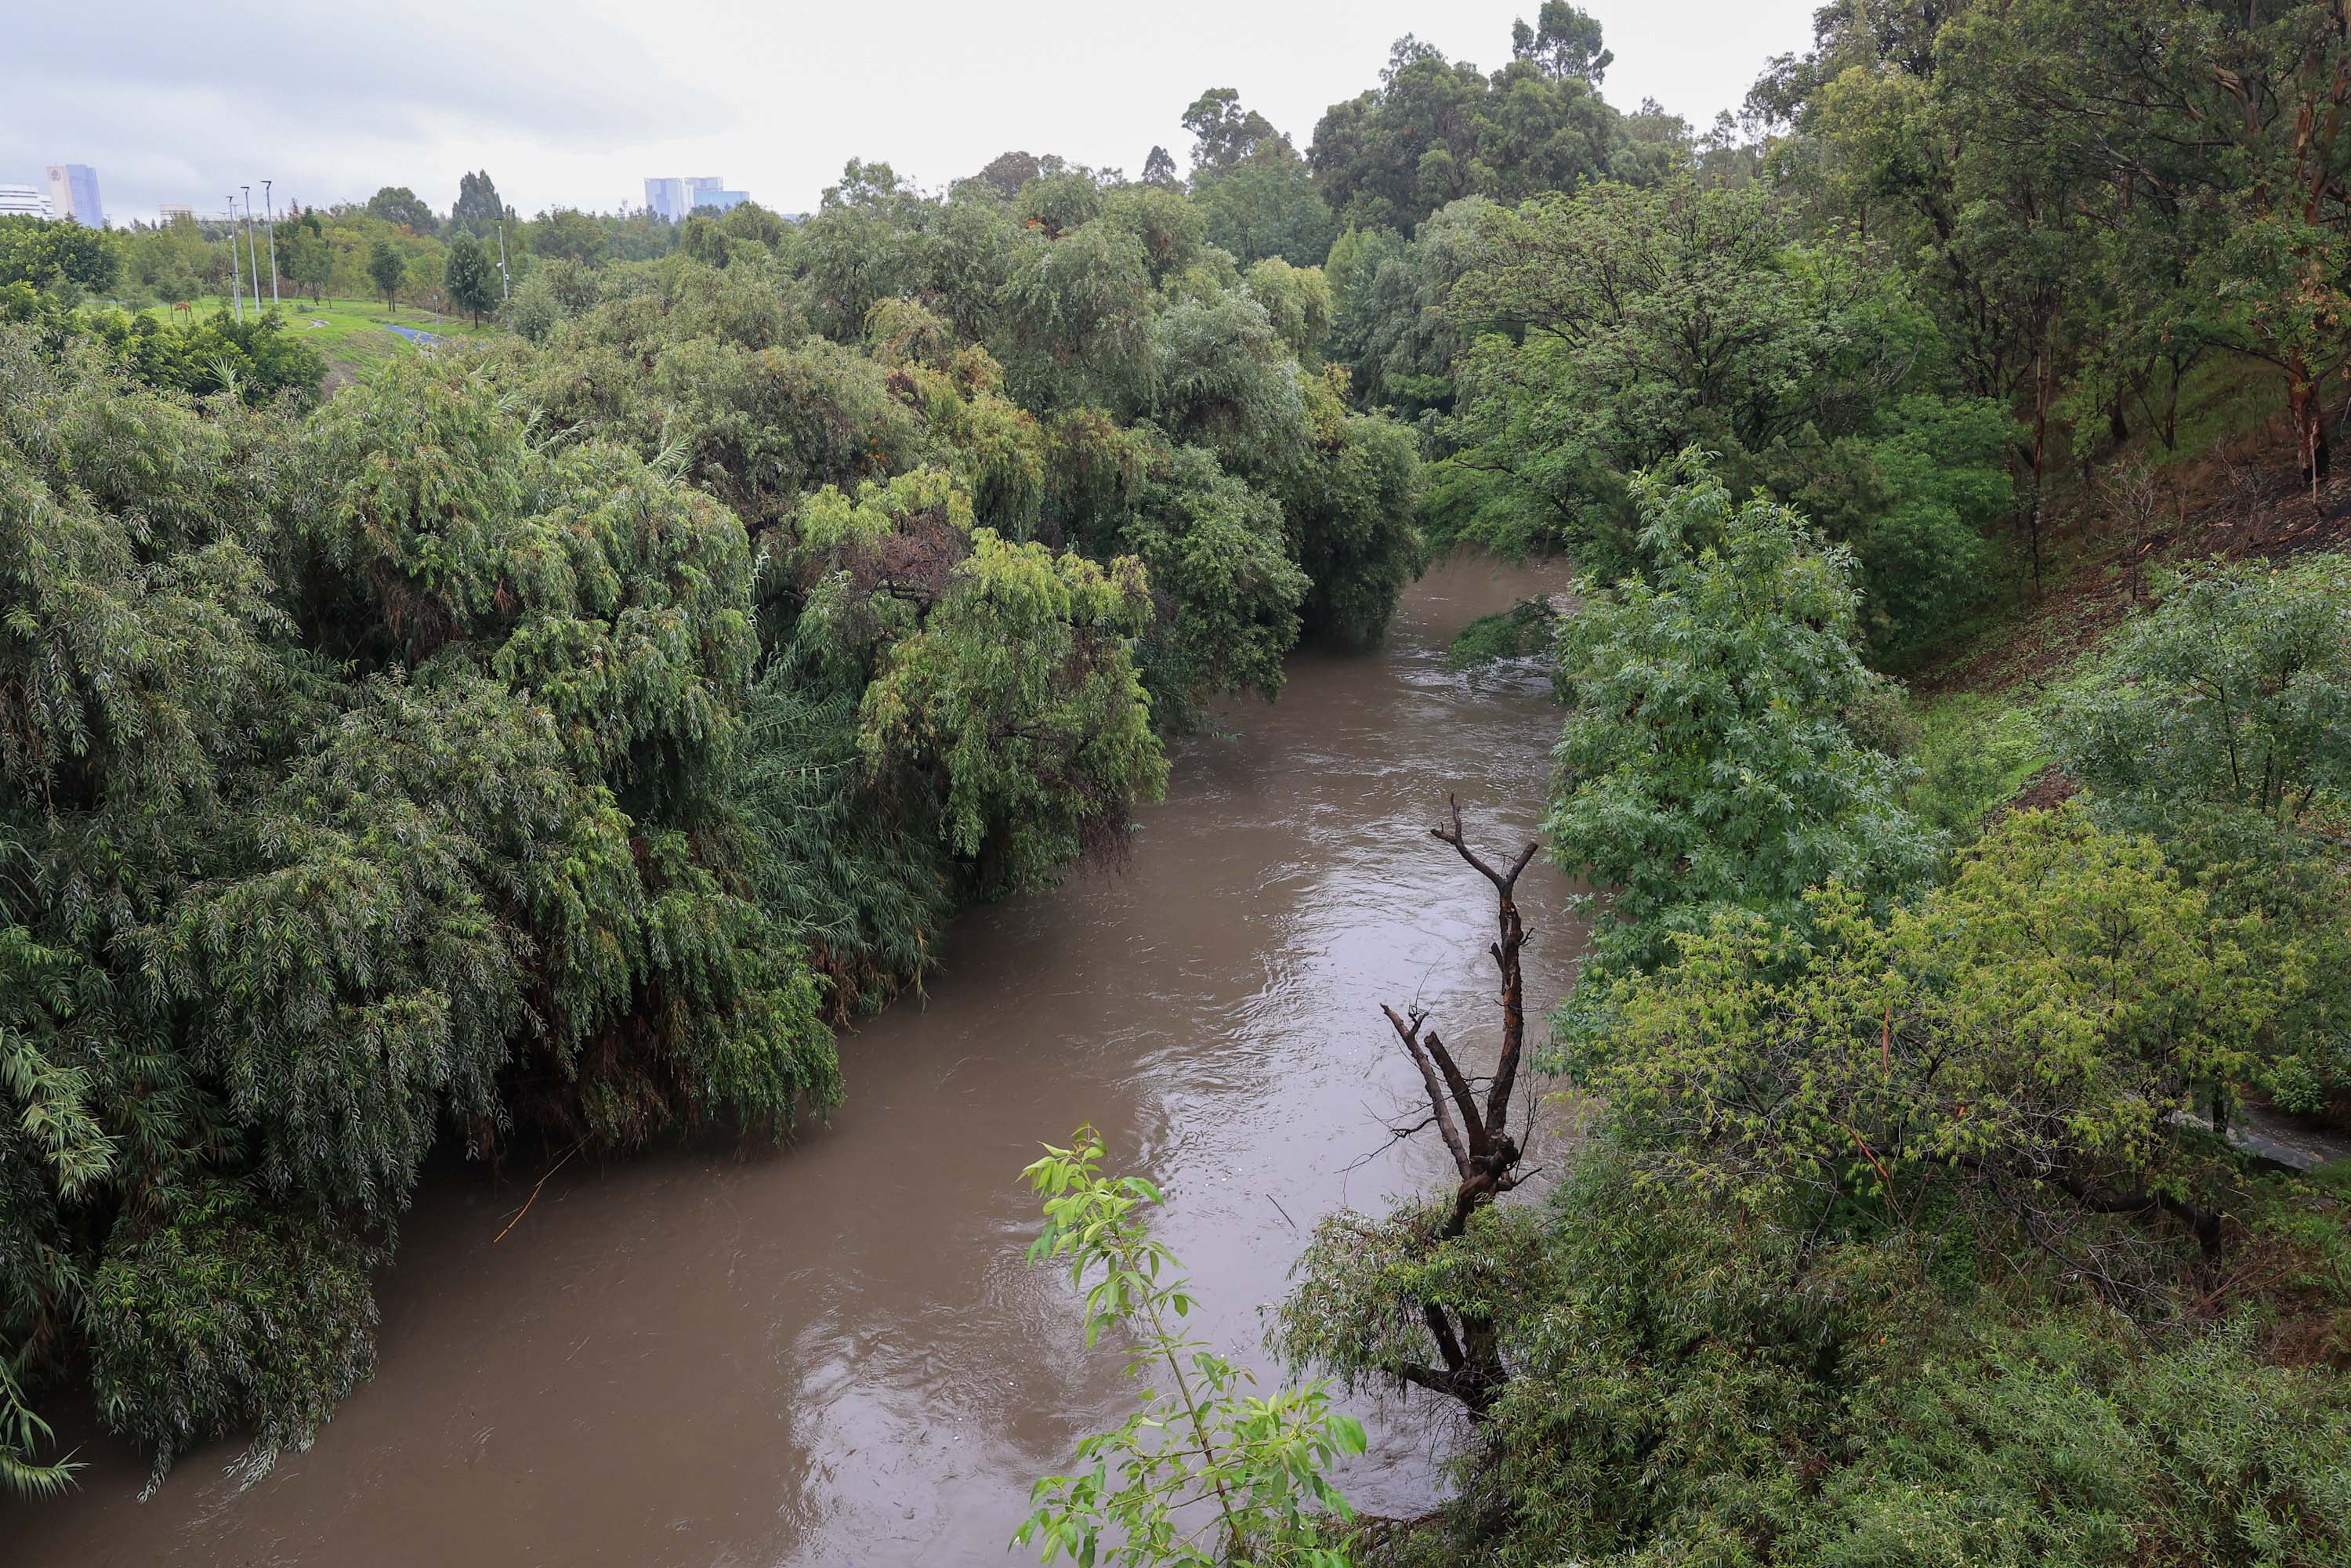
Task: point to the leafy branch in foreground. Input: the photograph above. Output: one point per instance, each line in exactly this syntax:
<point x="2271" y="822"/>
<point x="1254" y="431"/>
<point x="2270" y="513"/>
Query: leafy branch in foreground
<point x="1207" y="1474"/>
<point x="22" y="1433"/>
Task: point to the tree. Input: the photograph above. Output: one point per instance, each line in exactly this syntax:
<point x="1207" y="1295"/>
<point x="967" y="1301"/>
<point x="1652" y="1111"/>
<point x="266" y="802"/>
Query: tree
<point x="310" y="256"/>
<point x="1159" y="169"/>
<point x="2225" y="122"/>
<point x="1266" y="205"/>
<point x="701" y="237"/>
<point x="477" y="208"/>
<point x="1564" y="42"/>
<point x="1613" y="328"/>
<point x="566" y="233"/>
<point x="1216" y="551"/>
<point x="1006" y="171"/>
<point x="1386" y="1297"/>
<point x="1706" y="764"/>
<point x="1354" y="509"/>
<point x="2222" y="727"/>
<point x="1260" y="1464"/>
<point x="255" y="359"/>
<point x="2235" y="693"/>
<point x="44" y="253"/>
<point x="2026" y="1038"/>
<point x="1017" y="694"/>
<point x="1297" y="300"/>
<point x="387" y="269"/>
<point x="399" y="205"/>
<point x="421" y="814"/>
<point x="1389" y="315"/>
<point x="1437" y="131"/>
<point x="1224" y="133"/>
<point x="471" y="279"/>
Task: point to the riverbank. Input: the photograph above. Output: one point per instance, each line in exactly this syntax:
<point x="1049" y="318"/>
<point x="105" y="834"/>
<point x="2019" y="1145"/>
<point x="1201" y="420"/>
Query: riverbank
<point x="834" y="1352"/>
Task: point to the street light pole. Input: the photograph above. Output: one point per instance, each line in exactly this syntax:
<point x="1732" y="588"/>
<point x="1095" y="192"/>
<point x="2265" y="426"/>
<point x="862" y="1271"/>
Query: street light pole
<point x="270" y="211"/>
<point x="251" y="252"/>
<point x="236" y="277"/>
<point x="505" y="288"/>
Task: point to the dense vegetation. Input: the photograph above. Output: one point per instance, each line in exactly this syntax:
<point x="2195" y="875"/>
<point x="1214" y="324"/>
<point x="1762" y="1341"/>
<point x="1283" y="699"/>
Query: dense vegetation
<point x="1905" y="1226"/>
<point x="552" y="742"/>
<point x="551" y="739"/>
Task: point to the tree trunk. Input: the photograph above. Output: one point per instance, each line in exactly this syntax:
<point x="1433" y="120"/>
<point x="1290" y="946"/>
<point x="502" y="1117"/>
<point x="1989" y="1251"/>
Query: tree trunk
<point x="2309" y="423"/>
<point x="2042" y="382"/>
<point x="1486" y="1158"/>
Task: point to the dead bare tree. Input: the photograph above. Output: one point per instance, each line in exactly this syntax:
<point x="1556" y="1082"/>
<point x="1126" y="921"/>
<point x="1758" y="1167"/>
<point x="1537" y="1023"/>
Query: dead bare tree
<point x="1485" y="1156"/>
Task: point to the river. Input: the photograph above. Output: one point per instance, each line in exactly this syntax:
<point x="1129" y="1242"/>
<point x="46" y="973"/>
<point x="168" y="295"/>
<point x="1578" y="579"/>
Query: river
<point x="833" y="1352"/>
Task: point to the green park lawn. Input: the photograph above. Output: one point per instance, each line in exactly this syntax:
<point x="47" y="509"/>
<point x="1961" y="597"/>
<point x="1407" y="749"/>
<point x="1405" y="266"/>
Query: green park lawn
<point x="348" y="332"/>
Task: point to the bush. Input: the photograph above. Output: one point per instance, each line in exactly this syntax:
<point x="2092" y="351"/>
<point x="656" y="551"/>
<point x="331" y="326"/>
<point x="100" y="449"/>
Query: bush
<point x="226" y="1316"/>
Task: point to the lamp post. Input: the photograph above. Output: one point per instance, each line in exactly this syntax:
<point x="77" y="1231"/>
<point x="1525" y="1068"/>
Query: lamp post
<point x="236" y="275"/>
<point x="269" y="211"/>
<point x="251" y="254"/>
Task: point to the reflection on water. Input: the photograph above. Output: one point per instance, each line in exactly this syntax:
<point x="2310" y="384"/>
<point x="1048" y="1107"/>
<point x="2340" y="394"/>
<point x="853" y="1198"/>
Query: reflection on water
<point x="834" y="1352"/>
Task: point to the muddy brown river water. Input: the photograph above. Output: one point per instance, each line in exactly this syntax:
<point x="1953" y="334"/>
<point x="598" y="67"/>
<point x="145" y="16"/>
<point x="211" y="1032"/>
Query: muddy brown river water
<point x="833" y="1352"/>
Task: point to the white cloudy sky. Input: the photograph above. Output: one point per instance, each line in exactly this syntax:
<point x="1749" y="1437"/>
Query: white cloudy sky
<point x="572" y="102"/>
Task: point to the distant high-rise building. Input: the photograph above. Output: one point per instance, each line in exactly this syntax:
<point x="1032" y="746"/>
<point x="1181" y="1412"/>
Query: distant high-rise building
<point x="666" y="197"/>
<point x="677" y="199"/>
<point x="73" y="194"/>
<point x="177" y="213"/>
<point x="23" y="202"/>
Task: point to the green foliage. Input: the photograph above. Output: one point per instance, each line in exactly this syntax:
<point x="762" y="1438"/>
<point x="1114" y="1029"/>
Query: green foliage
<point x="470" y="277"/>
<point x="1226" y="380"/>
<point x="2026" y="1036"/>
<point x="2061" y="1446"/>
<point x="221" y="1316"/>
<point x="1617" y="326"/>
<point x="1526" y="630"/>
<point x="400" y="205"/>
<point x="1215" y="547"/>
<point x="1912" y="496"/>
<point x="2221" y="724"/>
<point x="1706" y="764"/>
<point x="1358" y="1301"/>
<point x="254" y="359"/>
<point x="1674" y="1381"/>
<point x="51" y="253"/>
<point x="1297" y="302"/>
<point x="852" y="865"/>
<point x="1264" y="205"/>
<point x="1351" y="518"/>
<point x="1973" y="754"/>
<point x="1689" y="1386"/>
<point x="2236" y="692"/>
<point x="566" y="233"/>
<point x="1018" y="695"/>
<point x="477" y="206"/>
<point x="1391" y="322"/>
<point x="1437" y="131"/>
<point x="386" y="268"/>
<point x="1260" y="1463"/>
<point x="369" y="779"/>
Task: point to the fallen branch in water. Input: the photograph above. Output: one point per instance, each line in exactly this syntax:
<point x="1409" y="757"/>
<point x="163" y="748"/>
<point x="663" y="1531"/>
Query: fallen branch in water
<point x="557" y="1166"/>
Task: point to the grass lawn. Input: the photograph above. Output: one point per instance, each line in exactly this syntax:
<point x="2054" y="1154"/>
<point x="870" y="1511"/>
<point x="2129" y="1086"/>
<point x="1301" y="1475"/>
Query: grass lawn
<point x="348" y="332"/>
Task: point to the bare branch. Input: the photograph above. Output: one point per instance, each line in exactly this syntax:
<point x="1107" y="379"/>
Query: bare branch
<point x="1410" y="1035"/>
<point x="1474" y="1125"/>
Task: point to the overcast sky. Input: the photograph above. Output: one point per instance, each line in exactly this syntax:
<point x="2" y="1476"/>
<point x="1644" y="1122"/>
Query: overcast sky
<point x="573" y="102"/>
